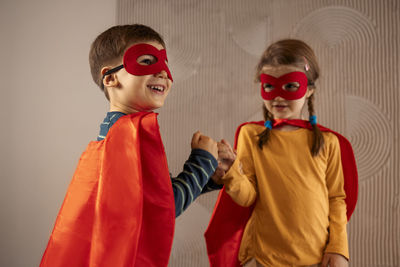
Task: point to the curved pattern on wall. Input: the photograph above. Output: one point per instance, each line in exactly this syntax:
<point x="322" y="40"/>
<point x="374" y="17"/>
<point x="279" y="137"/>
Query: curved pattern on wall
<point x="186" y="57"/>
<point x="186" y="62"/>
<point x="246" y="33"/>
<point x="369" y="132"/>
<point x="335" y="24"/>
<point x="249" y="25"/>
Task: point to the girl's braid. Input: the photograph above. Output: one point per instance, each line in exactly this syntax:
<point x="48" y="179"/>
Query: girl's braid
<point x="318" y="141"/>
<point x="264" y="135"/>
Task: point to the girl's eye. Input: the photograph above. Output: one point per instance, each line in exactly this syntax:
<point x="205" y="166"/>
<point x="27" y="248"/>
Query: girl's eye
<point x="268" y="87"/>
<point x="146" y="60"/>
<point x="291" y="87"/>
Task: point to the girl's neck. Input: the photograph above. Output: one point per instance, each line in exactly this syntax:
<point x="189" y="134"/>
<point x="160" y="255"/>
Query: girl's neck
<point x="286" y="128"/>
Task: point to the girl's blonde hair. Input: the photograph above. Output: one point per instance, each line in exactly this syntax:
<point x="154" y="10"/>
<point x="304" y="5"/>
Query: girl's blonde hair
<point x="297" y="53"/>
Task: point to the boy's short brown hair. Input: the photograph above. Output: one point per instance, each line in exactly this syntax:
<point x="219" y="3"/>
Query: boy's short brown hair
<point x="109" y="47"/>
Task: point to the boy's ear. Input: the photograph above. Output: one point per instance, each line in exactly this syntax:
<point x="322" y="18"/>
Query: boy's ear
<point x="110" y="80"/>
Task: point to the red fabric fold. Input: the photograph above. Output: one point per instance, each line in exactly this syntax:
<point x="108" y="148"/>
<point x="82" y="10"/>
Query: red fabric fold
<point x="119" y="208"/>
<point x="225" y="230"/>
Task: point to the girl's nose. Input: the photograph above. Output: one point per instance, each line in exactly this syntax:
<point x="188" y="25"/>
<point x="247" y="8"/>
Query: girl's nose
<point x="279" y="98"/>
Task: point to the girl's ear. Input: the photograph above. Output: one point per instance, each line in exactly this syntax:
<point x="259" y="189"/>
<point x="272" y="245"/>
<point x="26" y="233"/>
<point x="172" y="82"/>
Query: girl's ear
<point x="310" y="92"/>
<point x="110" y="80"/>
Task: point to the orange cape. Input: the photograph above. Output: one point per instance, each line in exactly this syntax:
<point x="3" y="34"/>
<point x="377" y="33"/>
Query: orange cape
<point x="225" y="231"/>
<point x="119" y="208"/>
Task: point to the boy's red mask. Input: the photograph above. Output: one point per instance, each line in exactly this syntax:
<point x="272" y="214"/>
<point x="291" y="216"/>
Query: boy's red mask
<point x="134" y="52"/>
<point x="133" y="67"/>
<point x="278" y="83"/>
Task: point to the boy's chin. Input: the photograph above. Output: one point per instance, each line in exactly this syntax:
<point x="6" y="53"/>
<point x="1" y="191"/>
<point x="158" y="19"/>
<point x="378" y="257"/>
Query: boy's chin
<point x="149" y="107"/>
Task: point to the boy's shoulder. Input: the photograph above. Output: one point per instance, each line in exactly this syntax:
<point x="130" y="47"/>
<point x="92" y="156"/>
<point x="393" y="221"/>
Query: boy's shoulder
<point x="110" y="119"/>
<point x="129" y="122"/>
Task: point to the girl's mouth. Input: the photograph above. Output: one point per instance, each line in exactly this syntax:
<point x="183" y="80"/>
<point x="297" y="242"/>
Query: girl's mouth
<point x="279" y="106"/>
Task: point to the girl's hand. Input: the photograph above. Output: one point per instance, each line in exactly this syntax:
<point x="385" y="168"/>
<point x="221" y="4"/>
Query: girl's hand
<point x="217" y="176"/>
<point x="334" y="260"/>
<point x="226" y="155"/>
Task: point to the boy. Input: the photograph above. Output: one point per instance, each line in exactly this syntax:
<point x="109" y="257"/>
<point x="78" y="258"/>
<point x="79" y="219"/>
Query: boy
<point x="119" y="209"/>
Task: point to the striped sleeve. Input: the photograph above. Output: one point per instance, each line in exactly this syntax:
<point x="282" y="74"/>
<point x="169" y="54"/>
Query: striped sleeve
<point x="211" y="186"/>
<point x="189" y="184"/>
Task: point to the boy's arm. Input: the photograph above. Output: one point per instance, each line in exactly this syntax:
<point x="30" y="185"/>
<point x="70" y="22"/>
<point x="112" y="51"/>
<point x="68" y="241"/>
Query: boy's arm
<point x="337" y="207"/>
<point x="196" y="172"/>
<point x="211" y="186"/>
<point x="188" y="185"/>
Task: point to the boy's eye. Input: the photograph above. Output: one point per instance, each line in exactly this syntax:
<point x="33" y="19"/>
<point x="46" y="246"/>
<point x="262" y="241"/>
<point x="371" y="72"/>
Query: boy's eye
<point x="146" y="60"/>
<point x="291" y="87"/>
<point x="268" y="87"/>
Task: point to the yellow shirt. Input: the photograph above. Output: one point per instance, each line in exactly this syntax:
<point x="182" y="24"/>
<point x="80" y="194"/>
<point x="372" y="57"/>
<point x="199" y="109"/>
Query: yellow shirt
<point x="299" y="211"/>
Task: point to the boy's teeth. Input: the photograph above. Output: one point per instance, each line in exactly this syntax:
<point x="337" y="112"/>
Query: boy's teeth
<point x="158" y="88"/>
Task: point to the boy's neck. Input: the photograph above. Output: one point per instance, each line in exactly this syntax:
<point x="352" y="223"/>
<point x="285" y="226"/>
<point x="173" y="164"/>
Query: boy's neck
<point x="124" y="109"/>
<point x="121" y="108"/>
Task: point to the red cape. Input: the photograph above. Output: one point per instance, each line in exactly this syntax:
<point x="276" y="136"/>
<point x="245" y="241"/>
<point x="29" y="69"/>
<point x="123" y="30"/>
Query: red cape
<point x="119" y="208"/>
<point x="225" y="231"/>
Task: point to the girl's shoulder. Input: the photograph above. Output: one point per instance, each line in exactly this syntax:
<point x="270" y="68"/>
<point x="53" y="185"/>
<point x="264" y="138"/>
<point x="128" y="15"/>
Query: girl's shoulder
<point x="333" y="141"/>
<point x="331" y="136"/>
<point x="248" y="131"/>
<point x="250" y="128"/>
<point x="253" y="126"/>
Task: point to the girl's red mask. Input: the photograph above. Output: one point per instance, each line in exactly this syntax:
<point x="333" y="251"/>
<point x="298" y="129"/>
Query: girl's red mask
<point x="133" y="67"/>
<point x="278" y="85"/>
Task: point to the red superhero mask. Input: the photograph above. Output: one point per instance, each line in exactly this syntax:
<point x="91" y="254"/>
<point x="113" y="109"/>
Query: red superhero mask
<point x="133" y="67"/>
<point x="290" y="86"/>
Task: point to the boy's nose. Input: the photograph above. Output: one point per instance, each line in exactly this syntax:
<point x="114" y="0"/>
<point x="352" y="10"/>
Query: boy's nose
<point x="162" y="74"/>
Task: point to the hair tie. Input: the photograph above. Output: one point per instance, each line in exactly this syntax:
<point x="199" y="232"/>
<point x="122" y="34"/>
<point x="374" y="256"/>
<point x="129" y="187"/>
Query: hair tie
<point x="306" y="66"/>
<point x="313" y="120"/>
<point x="268" y="124"/>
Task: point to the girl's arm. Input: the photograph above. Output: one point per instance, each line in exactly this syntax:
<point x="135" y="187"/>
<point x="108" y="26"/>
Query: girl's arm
<point x="337" y="207"/>
<point x="240" y="180"/>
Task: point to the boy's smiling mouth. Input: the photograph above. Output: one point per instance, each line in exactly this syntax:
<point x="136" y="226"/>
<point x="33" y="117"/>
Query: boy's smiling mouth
<point x="157" y="87"/>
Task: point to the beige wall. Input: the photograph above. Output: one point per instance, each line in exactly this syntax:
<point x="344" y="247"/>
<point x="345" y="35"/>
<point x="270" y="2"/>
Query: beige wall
<point x="50" y="108"/>
<point x="213" y="47"/>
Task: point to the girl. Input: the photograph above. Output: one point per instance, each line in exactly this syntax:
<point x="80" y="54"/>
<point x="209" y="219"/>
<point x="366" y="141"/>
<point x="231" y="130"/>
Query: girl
<point x="289" y="171"/>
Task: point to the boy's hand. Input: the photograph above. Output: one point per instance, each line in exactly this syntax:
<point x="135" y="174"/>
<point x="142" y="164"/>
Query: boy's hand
<point x="334" y="260"/>
<point x="204" y="142"/>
